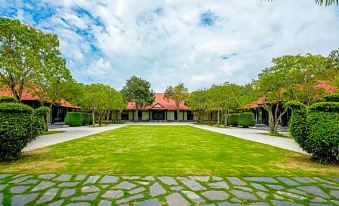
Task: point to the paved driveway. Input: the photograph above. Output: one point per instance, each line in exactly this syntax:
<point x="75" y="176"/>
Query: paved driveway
<point x="69" y="133"/>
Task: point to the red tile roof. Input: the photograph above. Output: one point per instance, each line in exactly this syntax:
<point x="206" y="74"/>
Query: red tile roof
<point x="27" y="96"/>
<point x="160" y="103"/>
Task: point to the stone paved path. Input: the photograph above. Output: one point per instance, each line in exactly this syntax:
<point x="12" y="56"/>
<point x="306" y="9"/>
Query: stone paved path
<point x="106" y="190"/>
<point x="256" y="136"/>
<point x="67" y="134"/>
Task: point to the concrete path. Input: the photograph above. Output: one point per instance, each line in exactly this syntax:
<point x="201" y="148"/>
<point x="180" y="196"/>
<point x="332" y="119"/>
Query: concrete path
<point x="69" y="133"/>
<point x="254" y="135"/>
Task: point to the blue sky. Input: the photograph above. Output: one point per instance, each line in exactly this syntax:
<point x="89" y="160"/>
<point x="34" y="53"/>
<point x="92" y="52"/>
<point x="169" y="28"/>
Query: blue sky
<point x="166" y="42"/>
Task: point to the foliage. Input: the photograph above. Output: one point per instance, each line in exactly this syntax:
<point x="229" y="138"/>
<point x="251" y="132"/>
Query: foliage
<point x="15" y="129"/>
<point x="246" y="119"/>
<point x="178" y="93"/>
<point x="233" y="119"/>
<point x="138" y="92"/>
<point x="73" y="119"/>
<point x="30" y="60"/>
<point x="86" y="118"/>
<point x="41" y="111"/>
<point x="332" y="97"/>
<point x="8" y="99"/>
<point x="40" y="120"/>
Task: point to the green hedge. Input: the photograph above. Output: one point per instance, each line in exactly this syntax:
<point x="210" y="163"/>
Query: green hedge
<point x="39" y="125"/>
<point x="86" y="118"/>
<point x="246" y="119"/>
<point x="15" y="129"/>
<point x="8" y="99"/>
<point x="232" y="119"/>
<point x="332" y="97"/>
<point x="73" y="119"/>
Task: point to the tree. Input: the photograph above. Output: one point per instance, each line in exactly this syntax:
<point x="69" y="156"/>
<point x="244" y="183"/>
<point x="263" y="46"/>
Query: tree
<point x="29" y="58"/>
<point x="197" y="101"/>
<point x="178" y="93"/>
<point x="138" y="92"/>
<point x="292" y="78"/>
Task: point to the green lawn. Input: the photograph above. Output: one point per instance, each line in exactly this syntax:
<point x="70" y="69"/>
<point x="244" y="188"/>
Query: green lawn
<point x="167" y="150"/>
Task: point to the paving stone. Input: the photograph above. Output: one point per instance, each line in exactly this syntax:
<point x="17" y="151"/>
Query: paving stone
<point x="88" y="189"/>
<point x="261" y="179"/>
<point x="334" y="193"/>
<point x="156" y="189"/>
<point x="276" y="187"/>
<point x="258" y="204"/>
<point x="222" y="185"/>
<point x="143" y="183"/>
<point x="68" y="184"/>
<point x="244" y="188"/>
<point x="298" y="192"/>
<point x="130" y="198"/>
<point x="285" y="203"/>
<point x="243" y="195"/>
<point x="3" y="187"/>
<point x="109" y="179"/>
<point x="3" y="176"/>
<point x="124" y="185"/>
<point x="291" y="195"/>
<point x="235" y="200"/>
<point x="137" y="190"/>
<point x="320" y="204"/>
<point x="216" y="178"/>
<point x="330" y="186"/>
<point x="259" y="186"/>
<point x="200" y="178"/>
<point x="67" y="192"/>
<point x="335" y="202"/>
<point x="63" y="178"/>
<point x="215" y="195"/>
<point x="228" y="204"/>
<point x="151" y="202"/>
<point x="28" y="182"/>
<point x="176" y="188"/>
<point x="43" y="185"/>
<point x="193" y="185"/>
<point x="23" y="199"/>
<point x="148" y="178"/>
<point x="304" y="179"/>
<point x="18" y="189"/>
<point x="20" y="179"/>
<point x="86" y="197"/>
<point x="314" y="190"/>
<point x="193" y="197"/>
<point x="131" y="177"/>
<point x="57" y="203"/>
<point x="322" y="180"/>
<point x="48" y="196"/>
<point x="92" y="179"/>
<point x="1" y="197"/>
<point x="318" y="199"/>
<point x="168" y="180"/>
<point x="278" y="197"/>
<point x="105" y="203"/>
<point x="175" y="199"/>
<point x="262" y="195"/>
<point x="79" y="204"/>
<point x="288" y="181"/>
<point x="47" y="176"/>
<point x="80" y="177"/>
<point x="236" y="181"/>
<point x="113" y="194"/>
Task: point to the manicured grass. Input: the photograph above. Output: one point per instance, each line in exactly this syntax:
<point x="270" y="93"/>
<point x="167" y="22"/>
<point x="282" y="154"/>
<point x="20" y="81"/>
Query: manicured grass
<point x="167" y="150"/>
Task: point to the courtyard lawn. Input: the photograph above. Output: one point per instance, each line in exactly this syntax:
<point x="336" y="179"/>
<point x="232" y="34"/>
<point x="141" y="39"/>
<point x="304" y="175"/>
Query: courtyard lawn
<point x="166" y="150"/>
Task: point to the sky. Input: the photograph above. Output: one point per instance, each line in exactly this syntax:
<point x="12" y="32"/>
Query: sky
<point x="167" y="42"/>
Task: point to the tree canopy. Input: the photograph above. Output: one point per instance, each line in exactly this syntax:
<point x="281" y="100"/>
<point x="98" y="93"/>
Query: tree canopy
<point x="178" y="93"/>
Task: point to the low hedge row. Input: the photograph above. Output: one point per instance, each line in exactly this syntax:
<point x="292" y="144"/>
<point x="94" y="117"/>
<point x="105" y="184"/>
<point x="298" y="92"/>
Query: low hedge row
<point x="232" y="119"/>
<point x="246" y="119"/>
<point x="76" y="119"/>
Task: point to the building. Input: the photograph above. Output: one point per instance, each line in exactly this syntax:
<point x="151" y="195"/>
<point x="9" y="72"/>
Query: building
<point x="58" y="111"/>
<point x="162" y="109"/>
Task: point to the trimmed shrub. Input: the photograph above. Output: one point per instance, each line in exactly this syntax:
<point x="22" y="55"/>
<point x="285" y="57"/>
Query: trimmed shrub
<point x="232" y="119"/>
<point x="73" y="119"/>
<point x="15" y="129"/>
<point x="332" y="97"/>
<point x="8" y="99"/>
<point x="39" y="125"/>
<point x="246" y="119"/>
<point x="323" y="131"/>
<point x="86" y="118"/>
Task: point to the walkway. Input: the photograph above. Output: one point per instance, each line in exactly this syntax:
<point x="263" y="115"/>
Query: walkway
<point x="69" y="133"/>
<point x="256" y="136"/>
<point x="66" y="189"/>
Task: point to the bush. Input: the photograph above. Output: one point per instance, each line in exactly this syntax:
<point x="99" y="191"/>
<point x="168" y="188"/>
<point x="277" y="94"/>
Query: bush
<point x="332" y="97"/>
<point x="232" y="119"/>
<point x="8" y="99"/>
<point x="42" y="111"/>
<point x="246" y="119"/>
<point x="73" y="119"/>
<point x="86" y="118"/>
<point x="323" y="131"/>
<point x="40" y="125"/>
<point x="15" y="129"/>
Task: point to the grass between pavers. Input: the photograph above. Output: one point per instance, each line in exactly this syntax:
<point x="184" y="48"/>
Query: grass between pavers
<point x="167" y="150"/>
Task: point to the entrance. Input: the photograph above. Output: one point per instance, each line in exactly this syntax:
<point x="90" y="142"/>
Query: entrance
<point x="158" y="115"/>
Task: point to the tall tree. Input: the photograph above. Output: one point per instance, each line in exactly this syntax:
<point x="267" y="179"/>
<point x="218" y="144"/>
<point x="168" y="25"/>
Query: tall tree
<point x="29" y="58"/>
<point x="198" y="102"/>
<point x="178" y="93"/>
<point x="138" y="91"/>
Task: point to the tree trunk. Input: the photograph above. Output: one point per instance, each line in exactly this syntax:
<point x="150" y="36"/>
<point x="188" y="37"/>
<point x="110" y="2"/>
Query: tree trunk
<point x="225" y="118"/>
<point x="136" y="115"/>
<point x="218" y="117"/>
<point x="45" y="121"/>
<point x="93" y="117"/>
<point x="177" y="105"/>
<point x="107" y="116"/>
